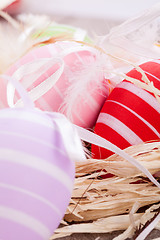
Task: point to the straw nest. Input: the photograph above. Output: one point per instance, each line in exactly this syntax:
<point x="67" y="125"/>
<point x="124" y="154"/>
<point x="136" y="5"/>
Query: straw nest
<point x="125" y="201"/>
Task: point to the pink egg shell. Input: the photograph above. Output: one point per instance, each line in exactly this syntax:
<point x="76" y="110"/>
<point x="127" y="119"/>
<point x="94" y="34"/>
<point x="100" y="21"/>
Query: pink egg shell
<point x="83" y="113"/>
<point x="130" y="115"/>
<point x="36" y="173"/>
<point x="87" y="107"/>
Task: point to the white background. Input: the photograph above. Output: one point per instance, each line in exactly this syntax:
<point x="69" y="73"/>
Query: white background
<point x="96" y="16"/>
<point x="111" y="9"/>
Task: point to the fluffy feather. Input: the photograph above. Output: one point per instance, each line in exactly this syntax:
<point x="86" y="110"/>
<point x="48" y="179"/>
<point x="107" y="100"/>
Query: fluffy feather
<point x="85" y="82"/>
<point x="10" y="46"/>
<point x="16" y="38"/>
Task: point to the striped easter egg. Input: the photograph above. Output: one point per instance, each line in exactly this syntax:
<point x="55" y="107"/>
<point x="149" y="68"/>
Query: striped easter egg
<point x="130" y="115"/>
<point x="36" y="172"/>
<point x="62" y="30"/>
<point x="79" y="97"/>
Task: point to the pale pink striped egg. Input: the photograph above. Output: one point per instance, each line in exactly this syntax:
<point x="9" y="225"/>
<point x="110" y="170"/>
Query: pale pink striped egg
<point x="36" y="172"/>
<point x="130" y="115"/>
<point x="79" y="92"/>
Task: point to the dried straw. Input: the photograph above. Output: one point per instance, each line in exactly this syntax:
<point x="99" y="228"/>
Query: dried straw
<point x="102" y="205"/>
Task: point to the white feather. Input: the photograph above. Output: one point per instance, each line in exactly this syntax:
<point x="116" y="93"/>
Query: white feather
<point x="11" y="48"/>
<point x="80" y="83"/>
<point x="15" y="41"/>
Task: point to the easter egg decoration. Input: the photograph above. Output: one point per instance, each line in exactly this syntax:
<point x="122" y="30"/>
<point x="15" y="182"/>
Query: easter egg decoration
<point x="36" y="171"/>
<point x="131" y="114"/>
<point x="65" y="77"/>
<point x="59" y="31"/>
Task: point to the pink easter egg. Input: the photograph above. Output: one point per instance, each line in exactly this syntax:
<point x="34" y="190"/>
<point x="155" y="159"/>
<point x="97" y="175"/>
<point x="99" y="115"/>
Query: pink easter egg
<point x="36" y="172"/>
<point x="130" y="115"/>
<point x="72" y="95"/>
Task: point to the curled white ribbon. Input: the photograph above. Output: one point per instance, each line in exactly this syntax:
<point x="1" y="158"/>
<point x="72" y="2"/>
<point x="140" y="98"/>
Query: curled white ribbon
<point x="21" y="91"/>
<point x="149" y="228"/>
<point x="93" y="138"/>
<point x="35" y="69"/>
<point x="69" y="135"/>
<point x="31" y="71"/>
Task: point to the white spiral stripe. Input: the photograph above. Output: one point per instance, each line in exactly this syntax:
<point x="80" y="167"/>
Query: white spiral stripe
<point x="37" y="163"/>
<point x="141" y="93"/>
<point x="120" y="128"/>
<point x="33" y="195"/>
<point x="25" y="220"/>
<point x="150" y="74"/>
<point x="35" y="140"/>
<point x="44" y="86"/>
<point x="156" y="61"/>
<point x="31" y="116"/>
<point x="44" y="105"/>
<point x="138" y="116"/>
<point x="61" y="95"/>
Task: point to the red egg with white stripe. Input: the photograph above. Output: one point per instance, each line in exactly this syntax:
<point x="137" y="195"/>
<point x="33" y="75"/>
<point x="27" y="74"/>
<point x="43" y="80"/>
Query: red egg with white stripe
<point x="130" y="115"/>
